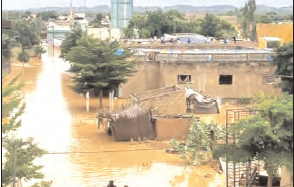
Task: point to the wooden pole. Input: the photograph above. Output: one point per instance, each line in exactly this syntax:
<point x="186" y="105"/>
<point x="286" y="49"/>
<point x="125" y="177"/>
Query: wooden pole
<point x="100" y="98"/>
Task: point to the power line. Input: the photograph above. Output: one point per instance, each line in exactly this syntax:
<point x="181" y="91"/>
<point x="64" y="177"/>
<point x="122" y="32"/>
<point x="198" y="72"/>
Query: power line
<point x="98" y="152"/>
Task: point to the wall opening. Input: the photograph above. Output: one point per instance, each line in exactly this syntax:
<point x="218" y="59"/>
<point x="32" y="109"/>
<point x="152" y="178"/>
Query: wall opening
<point x="225" y="79"/>
<point x="182" y="79"/>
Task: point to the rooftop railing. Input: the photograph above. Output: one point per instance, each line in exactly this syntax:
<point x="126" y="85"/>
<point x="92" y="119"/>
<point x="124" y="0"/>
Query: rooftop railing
<point x="210" y="57"/>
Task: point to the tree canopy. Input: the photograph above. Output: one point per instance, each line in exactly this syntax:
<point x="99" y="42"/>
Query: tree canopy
<point x="283" y="59"/>
<point x="96" y="22"/>
<point x="19" y="154"/>
<point x="266" y="136"/>
<point x="158" y="23"/>
<point x="102" y="65"/>
<point x="248" y="19"/>
<point x="215" y="27"/>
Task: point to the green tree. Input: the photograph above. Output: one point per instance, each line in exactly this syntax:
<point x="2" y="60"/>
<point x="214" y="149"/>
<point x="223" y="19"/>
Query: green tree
<point x="96" y="22"/>
<point x="71" y="39"/>
<point x="267" y="136"/>
<point x="202" y="136"/>
<point x="48" y="14"/>
<point x="26" y="32"/>
<point x="27" y="37"/>
<point x="19" y="154"/>
<point x="283" y="59"/>
<point x="213" y="26"/>
<point x="102" y="65"/>
<point x="248" y="20"/>
<point x="7" y="44"/>
<point x="19" y="157"/>
<point x="39" y="50"/>
<point x="12" y="106"/>
<point x="159" y="23"/>
<point x="23" y="57"/>
<point x="129" y="32"/>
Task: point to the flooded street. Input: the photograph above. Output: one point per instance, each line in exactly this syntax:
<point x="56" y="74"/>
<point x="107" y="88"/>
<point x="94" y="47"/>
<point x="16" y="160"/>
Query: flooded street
<point x="80" y="155"/>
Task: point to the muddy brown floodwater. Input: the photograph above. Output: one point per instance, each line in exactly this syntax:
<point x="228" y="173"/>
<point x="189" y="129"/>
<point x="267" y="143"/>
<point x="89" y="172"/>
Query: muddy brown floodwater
<point x="57" y="118"/>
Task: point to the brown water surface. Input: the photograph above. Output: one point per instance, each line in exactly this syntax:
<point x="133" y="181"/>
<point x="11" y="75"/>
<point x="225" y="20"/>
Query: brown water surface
<point x="57" y="118"/>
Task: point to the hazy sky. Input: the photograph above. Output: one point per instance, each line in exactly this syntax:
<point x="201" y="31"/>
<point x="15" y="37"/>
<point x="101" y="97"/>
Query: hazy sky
<point x="23" y="4"/>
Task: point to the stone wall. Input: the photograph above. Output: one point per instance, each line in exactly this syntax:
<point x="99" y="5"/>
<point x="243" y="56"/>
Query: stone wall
<point x="168" y="128"/>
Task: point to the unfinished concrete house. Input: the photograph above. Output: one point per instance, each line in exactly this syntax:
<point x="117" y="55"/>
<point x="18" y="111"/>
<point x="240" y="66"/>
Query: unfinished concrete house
<point x="225" y="73"/>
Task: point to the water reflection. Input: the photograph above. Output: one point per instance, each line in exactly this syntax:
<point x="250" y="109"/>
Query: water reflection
<point x="57" y="118"/>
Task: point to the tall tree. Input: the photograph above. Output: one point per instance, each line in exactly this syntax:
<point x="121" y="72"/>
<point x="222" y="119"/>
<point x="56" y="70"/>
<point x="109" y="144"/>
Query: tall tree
<point x="102" y="65"/>
<point x="27" y="37"/>
<point x="248" y="20"/>
<point x="19" y="154"/>
<point x="283" y="59"/>
<point x="159" y="23"/>
<point x="211" y="26"/>
<point x="267" y="136"/>
<point x="12" y="106"/>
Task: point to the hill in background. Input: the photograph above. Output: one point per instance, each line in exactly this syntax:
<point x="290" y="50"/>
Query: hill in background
<point x="180" y="8"/>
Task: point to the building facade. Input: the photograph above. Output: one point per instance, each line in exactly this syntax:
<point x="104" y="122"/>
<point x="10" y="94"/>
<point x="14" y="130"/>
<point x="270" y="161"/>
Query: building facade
<point x="224" y="79"/>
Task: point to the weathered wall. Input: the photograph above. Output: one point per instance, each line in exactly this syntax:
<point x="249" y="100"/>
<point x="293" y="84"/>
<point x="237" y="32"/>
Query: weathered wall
<point x="146" y="78"/>
<point x="168" y="128"/>
<point x="125" y="129"/>
<point x="247" y="77"/>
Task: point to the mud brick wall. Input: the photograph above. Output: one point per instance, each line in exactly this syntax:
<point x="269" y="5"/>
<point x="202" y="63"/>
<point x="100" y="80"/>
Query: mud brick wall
<point x="167" y="104"/>
<point x="169" y="128"/>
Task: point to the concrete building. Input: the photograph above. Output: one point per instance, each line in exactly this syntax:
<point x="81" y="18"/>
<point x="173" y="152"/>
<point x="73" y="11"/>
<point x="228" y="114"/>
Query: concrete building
<point x="225" y="75"/>
<point x="103" y="33"/>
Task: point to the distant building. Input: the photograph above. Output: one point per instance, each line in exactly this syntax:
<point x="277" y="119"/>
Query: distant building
<point x="56" y="32"/>
<point x="103" y="33"/>
<point x="234" y="73"/>
<point x="81" y="19"/>
<point x="283" y="31"/>
<point x="121" y="13"/>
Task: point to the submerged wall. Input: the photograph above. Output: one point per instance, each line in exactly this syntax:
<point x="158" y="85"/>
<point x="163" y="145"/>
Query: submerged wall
<point x="168" y="128"/>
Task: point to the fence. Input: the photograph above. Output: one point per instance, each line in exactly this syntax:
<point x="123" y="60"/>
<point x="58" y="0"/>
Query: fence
<point x="213" y="57"/>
